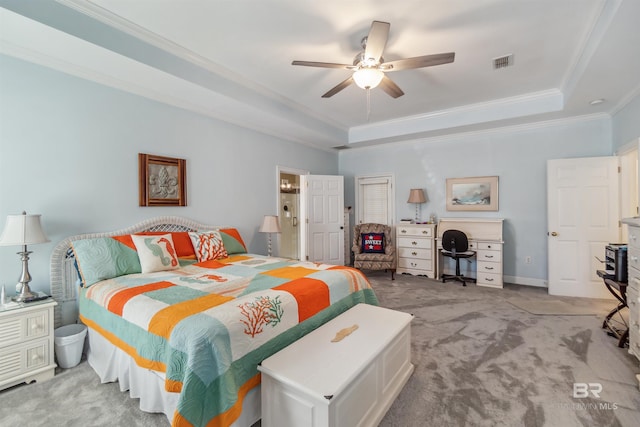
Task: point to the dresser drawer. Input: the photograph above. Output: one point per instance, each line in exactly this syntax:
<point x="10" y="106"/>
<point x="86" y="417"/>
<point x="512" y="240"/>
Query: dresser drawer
<point x="634" y="237"/>
<point x="417" y="264"/>
<point x="21" y="327"/>
<point x="414" y="231"/>
<point x="22" y="358"/>
<point x="414" y="253"/>
<point x="412" y="242"/>
<point x="634" y="279"/>
<point x="633" y="258"/>
<point x="488" y="267"/>
<point x="489" y="256"/>
<point x="489" y="279"/>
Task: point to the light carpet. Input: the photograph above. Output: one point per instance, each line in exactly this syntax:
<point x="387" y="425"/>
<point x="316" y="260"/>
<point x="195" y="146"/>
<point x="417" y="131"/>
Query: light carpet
<point x="560" y="308"/>
<point x="480" y="361"/>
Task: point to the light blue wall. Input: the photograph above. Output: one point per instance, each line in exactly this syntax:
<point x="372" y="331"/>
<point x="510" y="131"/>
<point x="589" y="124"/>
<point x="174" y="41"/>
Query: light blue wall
<point x="626" y="124"/>
<point x="517" y="156"/>
<point x="68" y="150"/>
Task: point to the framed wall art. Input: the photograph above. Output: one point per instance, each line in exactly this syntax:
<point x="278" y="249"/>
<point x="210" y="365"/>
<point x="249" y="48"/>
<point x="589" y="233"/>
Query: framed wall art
<point x="162" y="180"/>
<point x="472" y="194"/>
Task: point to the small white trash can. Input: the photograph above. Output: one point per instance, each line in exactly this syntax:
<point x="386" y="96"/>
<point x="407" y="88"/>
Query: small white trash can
<point x="69" y="342"/>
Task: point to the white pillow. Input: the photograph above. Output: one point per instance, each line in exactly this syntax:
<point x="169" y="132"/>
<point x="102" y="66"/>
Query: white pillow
<point x="156" y="253"/>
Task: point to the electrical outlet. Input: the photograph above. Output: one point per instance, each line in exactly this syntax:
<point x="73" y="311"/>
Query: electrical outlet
<point x="527" y="259"/>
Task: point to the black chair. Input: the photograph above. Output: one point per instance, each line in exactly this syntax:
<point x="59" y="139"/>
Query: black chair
<point x="455" y="245"/>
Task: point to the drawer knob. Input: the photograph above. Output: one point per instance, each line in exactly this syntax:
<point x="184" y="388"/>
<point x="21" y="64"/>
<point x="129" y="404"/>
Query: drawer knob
<point x="425" y="232"/>
<point x="488" y="279"/>
<point x="414" y="253"/>
<point x="414" y="243"/>
<point x="403" y="231"/>
<point x="488" y="256"/>
<point x="488" y="268"/>
<point x="413" y="264"/>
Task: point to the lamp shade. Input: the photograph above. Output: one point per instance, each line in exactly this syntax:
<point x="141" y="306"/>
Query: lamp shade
<point x="21" y="230"/>
<point x="416" y="195"/>
<point x="270" y="224"/>
<point x="368" y="78"/>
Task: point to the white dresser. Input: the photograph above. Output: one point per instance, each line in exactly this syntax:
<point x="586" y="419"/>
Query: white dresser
<point x="415" y="246"/>
<point x="633" y="286"/>
<point x="26" y="342"/>
<point x="485" y="238"/>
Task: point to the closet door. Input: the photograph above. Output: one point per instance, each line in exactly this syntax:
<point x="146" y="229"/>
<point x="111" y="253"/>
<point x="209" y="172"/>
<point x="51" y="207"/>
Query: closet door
<point x="583" y="206"/>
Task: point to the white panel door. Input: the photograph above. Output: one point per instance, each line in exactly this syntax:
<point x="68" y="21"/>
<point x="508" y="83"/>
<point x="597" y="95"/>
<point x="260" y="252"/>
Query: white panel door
<point x="583" y="205"/>
<point x="323" y="212"/>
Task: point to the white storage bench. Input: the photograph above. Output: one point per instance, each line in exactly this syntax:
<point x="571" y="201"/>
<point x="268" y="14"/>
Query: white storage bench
<point x="315" y="382"/>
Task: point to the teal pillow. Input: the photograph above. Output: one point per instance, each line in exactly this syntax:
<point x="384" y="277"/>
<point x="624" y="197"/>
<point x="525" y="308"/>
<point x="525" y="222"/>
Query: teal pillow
<point x="104" y="258"/>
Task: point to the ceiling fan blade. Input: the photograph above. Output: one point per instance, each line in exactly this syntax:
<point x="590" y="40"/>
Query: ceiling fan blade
<point x="390" y="87"/>
<point x="376" y="40"/>
<point x="419" y="62"/>
<point x="338" y="88"/>
<point x="323" y="64"/>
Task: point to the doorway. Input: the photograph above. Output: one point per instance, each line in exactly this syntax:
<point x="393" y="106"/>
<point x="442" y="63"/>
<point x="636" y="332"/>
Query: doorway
<point x="289" y="211"/>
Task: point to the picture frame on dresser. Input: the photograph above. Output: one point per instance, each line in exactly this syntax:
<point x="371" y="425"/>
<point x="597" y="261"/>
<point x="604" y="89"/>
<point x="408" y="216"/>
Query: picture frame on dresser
<point x="162" y="180"/>
<point x="478" y="193"/>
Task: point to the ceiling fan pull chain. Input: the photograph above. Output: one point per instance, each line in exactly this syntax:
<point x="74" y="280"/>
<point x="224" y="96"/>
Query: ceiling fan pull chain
<point x="368" y="103"/>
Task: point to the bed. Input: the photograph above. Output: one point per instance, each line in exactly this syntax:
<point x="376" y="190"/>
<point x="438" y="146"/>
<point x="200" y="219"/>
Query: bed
<point x="181" y="315"/>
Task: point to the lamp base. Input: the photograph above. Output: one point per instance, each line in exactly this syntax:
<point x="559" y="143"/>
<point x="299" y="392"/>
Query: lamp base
<point x="25" y="294"/>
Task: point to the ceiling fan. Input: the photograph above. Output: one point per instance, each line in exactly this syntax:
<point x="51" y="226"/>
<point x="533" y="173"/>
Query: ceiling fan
<point x="369" y="67"/>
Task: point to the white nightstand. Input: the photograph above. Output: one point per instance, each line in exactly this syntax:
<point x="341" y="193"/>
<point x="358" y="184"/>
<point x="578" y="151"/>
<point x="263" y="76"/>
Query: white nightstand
<point x="416" y="249"/>
<point x="26" y="342"/>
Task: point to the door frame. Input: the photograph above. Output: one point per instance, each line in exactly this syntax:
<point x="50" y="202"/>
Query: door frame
<point x="291" y="171"/>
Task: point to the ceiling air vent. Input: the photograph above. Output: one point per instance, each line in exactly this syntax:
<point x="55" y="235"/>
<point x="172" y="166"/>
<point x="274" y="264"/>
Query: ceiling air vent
<point x="503" y="62"/>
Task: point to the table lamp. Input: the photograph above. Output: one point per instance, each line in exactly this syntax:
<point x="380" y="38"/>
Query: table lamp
<point x="270" y="225"/>
<point x="416" y="195"/>
<point x="23" y="230"/>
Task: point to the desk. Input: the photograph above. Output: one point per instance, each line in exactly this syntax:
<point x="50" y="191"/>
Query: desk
<point x="618" y="290"/>
<point x="485" y="238"/>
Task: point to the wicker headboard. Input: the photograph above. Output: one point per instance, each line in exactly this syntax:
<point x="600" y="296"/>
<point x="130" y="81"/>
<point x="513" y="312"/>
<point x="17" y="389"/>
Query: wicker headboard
<point x="63" y="272"/>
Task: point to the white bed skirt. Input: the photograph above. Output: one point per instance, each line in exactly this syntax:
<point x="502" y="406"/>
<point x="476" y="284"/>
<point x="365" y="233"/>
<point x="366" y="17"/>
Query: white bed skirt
<point x="112" y="364"/>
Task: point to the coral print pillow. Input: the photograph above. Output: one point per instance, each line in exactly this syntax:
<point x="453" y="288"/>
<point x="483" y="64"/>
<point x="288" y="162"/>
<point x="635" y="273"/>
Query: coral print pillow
<point x="373" y="243"/>
<point x="156" y="253"/>
<point x="208" y="245"/>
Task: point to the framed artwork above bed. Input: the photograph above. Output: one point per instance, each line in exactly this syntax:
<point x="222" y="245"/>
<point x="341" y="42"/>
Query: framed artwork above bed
<point x="162" y="180"/>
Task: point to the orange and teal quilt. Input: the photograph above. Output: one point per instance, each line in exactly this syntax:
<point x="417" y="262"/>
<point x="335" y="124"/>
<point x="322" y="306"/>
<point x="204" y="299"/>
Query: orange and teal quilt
<point x="208" y="325"/>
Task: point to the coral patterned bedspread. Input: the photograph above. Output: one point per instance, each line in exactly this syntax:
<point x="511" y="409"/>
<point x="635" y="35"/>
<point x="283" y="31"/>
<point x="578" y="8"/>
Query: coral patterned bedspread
<point x="208" y="325"/>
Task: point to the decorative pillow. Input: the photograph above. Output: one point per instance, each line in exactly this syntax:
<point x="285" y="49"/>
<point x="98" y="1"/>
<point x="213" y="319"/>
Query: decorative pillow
<point x="156" y="253"/>
<point x="233" y="242"/>
<point x="208" y="245"/>
<point x="104" y="258"/>
<point x="181" y="242"/>
<point x="373" y="243"/>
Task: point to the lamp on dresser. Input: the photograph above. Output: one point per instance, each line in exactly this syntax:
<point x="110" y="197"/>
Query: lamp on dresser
<point x="270" y="225"/>
<point x="23" y="230"/>
<point x="416" y="195"/>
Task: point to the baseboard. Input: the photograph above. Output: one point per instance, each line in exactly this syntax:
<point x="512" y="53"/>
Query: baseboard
<point x="526" y="281"/>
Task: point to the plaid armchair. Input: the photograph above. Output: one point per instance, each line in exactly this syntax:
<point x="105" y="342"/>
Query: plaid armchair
<point x="374" y="261"/>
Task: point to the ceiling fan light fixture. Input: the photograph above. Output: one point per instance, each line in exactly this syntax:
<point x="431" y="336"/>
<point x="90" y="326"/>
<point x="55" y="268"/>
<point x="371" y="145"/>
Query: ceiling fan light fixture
<point x="368" y="78"/>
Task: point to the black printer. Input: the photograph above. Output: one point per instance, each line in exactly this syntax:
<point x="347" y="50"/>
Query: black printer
<point x="616" y="261"/>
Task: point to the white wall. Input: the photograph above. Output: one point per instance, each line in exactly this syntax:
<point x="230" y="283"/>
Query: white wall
<point x="517" y="155"/>
<point x="626" y="123"/>
<point x="68" y="150"/>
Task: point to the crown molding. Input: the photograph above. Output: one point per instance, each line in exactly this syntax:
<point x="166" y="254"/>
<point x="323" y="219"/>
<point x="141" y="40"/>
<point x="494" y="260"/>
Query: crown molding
<point x="506" y="108"/>
<point x="453" y="135"/>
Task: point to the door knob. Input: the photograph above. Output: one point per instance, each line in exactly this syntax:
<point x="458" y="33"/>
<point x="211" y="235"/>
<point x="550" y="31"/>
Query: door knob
<point x="554" y="234"/>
